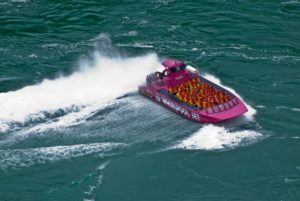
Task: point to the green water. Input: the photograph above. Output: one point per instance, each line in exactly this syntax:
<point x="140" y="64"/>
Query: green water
<point x="73" y="127"/>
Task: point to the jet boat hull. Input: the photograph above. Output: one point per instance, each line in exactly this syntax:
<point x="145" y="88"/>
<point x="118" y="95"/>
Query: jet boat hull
<point x="221" y="112"/>
<point x="183" y="90"/>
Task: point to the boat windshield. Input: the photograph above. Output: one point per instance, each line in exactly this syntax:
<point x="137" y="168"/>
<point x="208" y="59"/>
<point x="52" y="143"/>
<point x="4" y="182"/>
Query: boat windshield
<point x="177" y="68"/>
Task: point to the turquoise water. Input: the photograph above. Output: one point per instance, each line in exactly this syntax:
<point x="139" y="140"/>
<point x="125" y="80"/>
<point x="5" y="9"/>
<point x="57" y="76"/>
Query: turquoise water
<point x="73" y="127"/>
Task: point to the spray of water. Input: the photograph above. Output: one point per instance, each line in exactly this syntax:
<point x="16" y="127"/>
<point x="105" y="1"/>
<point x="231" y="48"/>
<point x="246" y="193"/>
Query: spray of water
<point x="97" y="83"/>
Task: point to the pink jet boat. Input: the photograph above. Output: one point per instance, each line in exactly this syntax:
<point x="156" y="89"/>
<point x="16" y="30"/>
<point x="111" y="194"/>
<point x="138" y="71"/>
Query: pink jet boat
<point x="181" y="88"/>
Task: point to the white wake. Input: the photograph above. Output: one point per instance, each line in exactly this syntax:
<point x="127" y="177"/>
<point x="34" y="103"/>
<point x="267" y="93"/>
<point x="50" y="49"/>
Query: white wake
<point x="97" y="83"/>
<point x="211" y="137"/>
<point x="18" y="158"/>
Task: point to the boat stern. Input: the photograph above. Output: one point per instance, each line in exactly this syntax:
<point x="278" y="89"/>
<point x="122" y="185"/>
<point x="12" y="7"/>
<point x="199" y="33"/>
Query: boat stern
<point x="231" y="109"/>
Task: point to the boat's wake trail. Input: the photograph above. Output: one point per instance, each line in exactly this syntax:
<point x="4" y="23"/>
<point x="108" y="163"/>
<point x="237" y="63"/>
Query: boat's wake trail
<point x="18" y="158"/>
<point x="71" y="99"/>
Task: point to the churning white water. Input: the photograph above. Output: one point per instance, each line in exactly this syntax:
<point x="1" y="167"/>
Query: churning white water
<point x="95" y="84"/>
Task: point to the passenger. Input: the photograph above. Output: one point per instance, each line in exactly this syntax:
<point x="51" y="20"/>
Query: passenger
<point x="198" y="103"/>
<point x="204" y="104"/>
<point x="199" y="94"/>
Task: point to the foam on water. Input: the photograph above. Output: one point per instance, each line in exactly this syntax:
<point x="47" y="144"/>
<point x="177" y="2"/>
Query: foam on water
<point x="7" y="78"/>
<point x="296" y="109"/>
<point x="211" y="137"/>
<point x="96" y="84"/>
<point x="291" y="2"/>
<point x="18" y="158"/>
<point x="283" y="107"/>
<point x="89" y="195"/>
<point x="136" y="44"/>
<point x="260" y="106"/>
